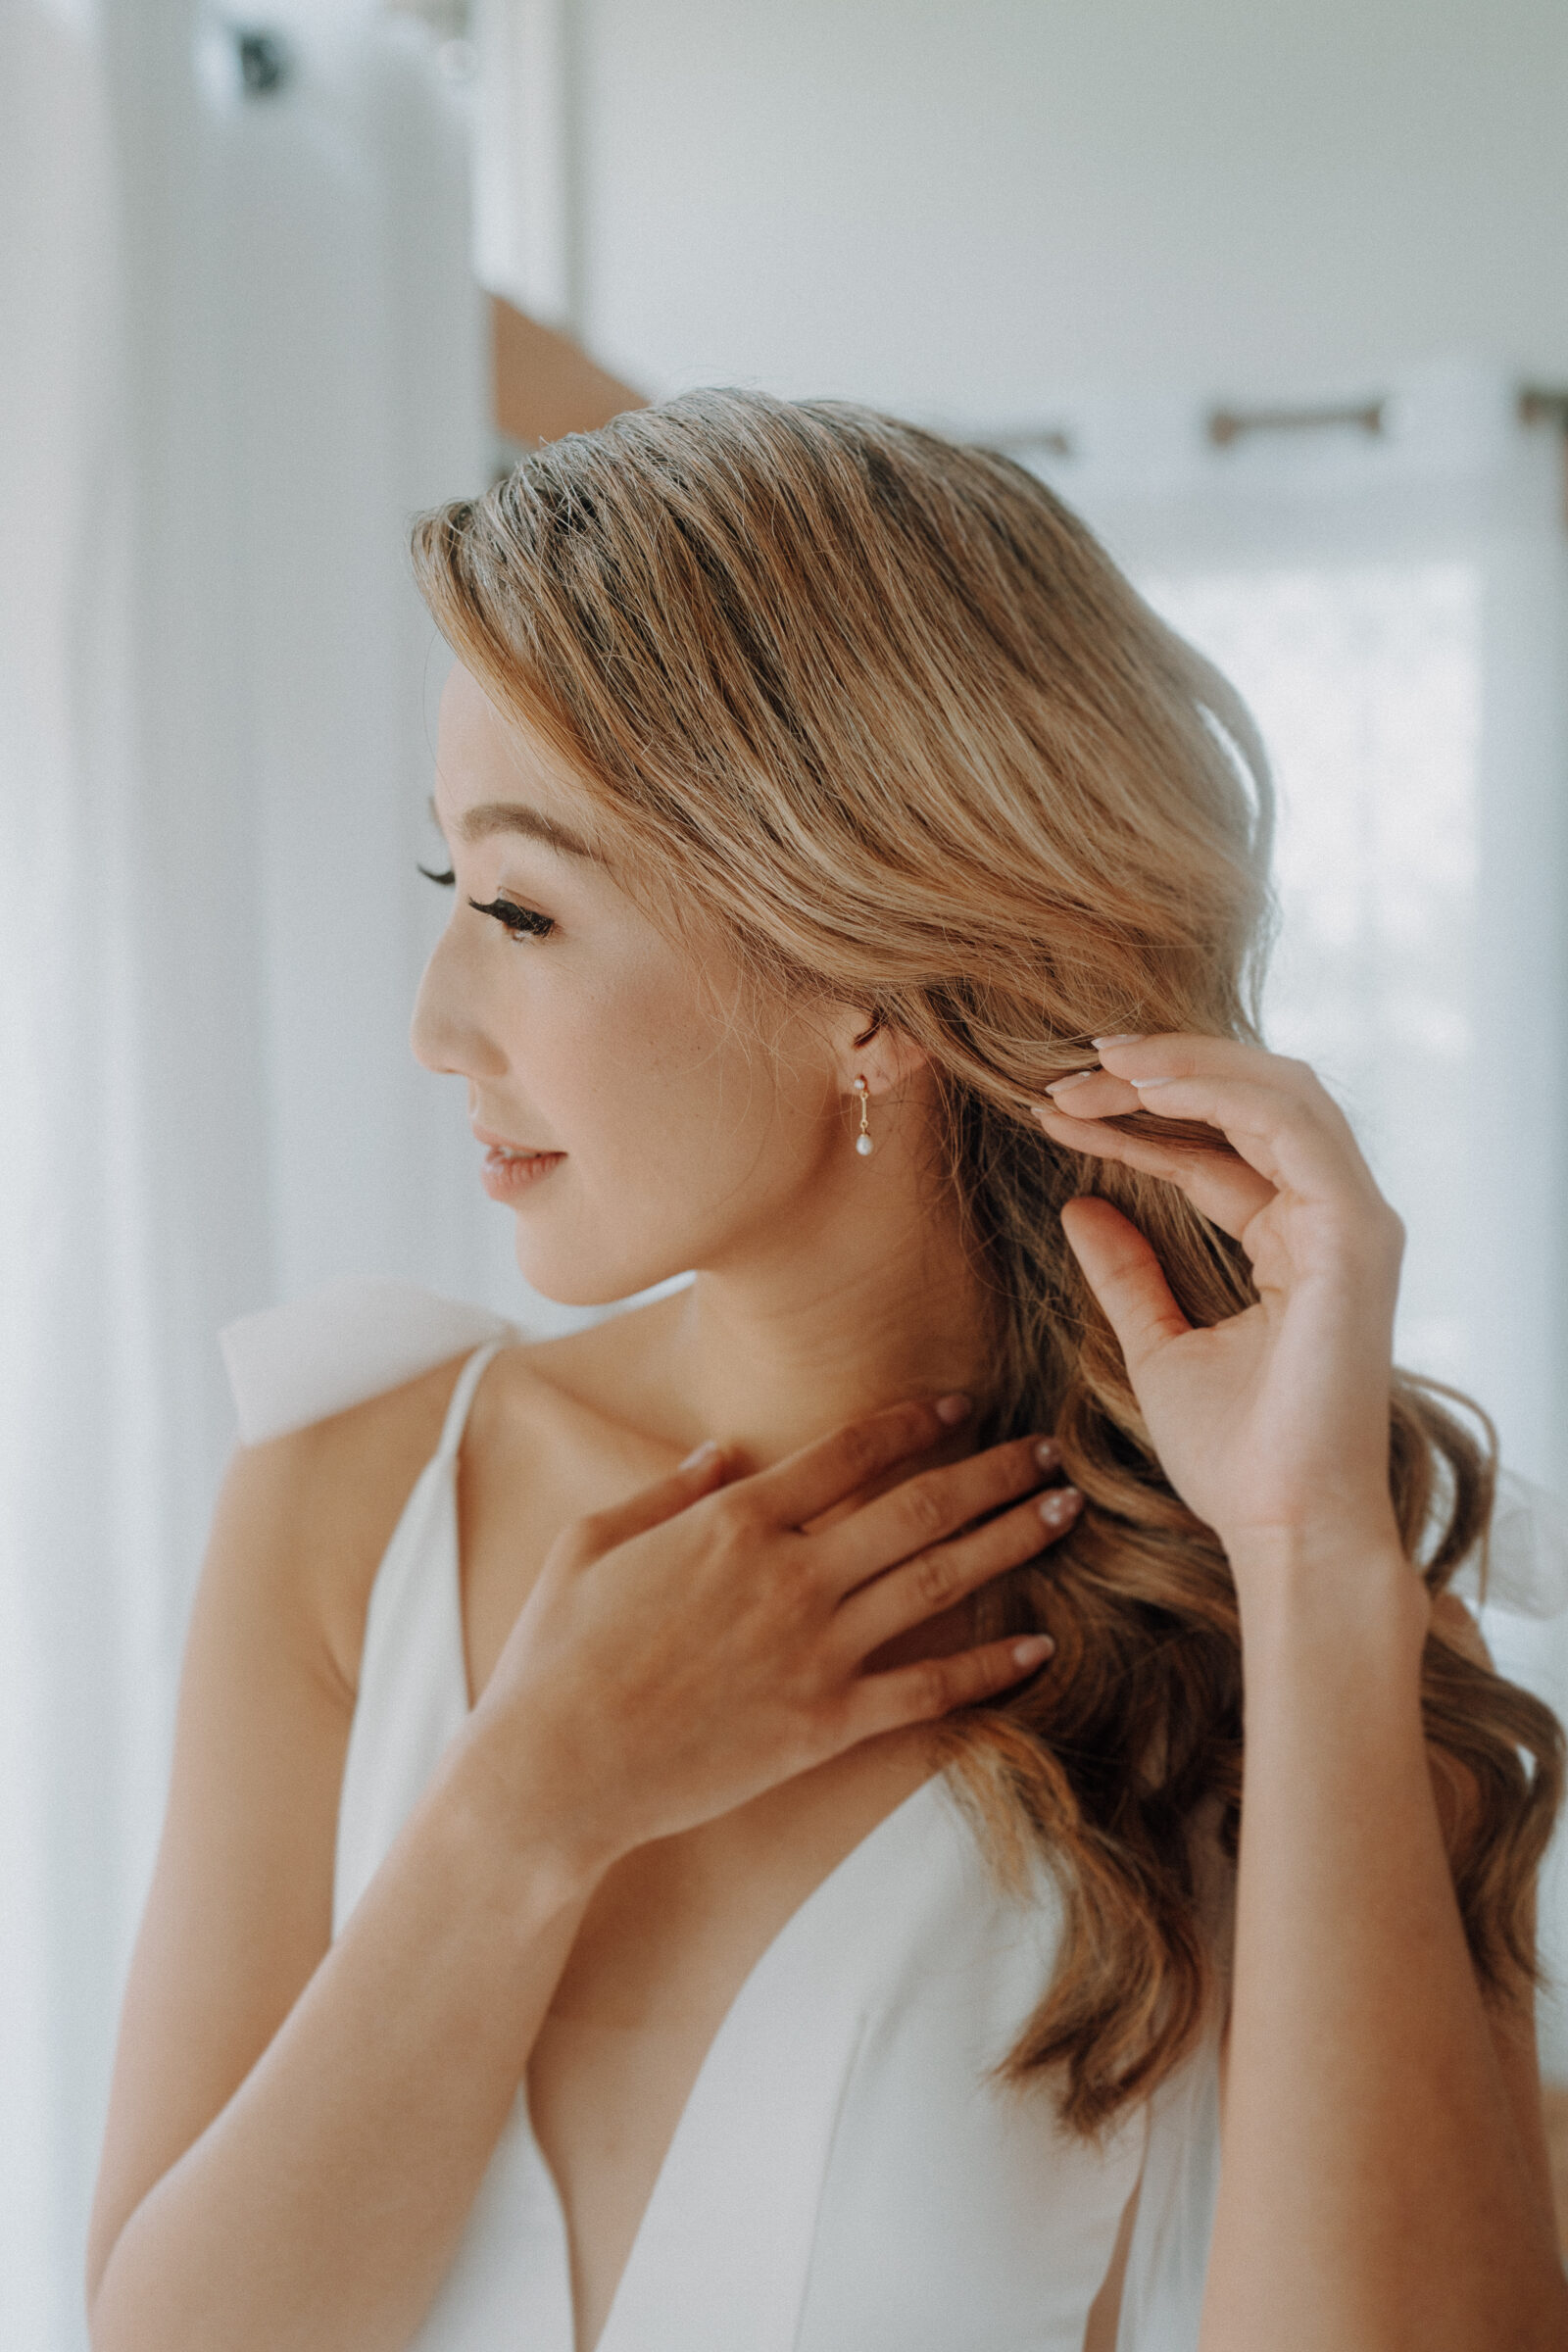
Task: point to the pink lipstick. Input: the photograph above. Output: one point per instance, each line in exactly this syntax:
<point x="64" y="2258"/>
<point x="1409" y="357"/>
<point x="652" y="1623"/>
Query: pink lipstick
<point x="509" y="1169"/>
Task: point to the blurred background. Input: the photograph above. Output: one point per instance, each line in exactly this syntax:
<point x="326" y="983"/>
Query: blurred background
<point x="1275" y="297"/>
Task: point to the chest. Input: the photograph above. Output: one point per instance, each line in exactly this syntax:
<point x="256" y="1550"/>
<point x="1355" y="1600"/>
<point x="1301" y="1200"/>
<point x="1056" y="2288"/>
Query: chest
<point x="673" y="1934"/>
<point x="830" y="2163"/>
<point x="662" y="1959"/>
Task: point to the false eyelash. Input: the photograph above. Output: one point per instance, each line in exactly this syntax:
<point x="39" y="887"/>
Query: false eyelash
<point x="521" y="921"/>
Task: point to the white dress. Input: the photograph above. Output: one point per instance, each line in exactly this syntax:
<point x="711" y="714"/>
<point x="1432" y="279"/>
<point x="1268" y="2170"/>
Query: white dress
<point x="845" y="2177"/>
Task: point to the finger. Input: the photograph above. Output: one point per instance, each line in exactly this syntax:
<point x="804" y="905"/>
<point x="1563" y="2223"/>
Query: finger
<point x="1109" y="1089"/>
<point x="697" y="1475"/>
<point x="1094" y="1095"/>
<point x="1141" y="1060"/>
<point x="1188" y="1053"/>
<point x="1124" y="1274"/>
<point x="811" y="1481"/>
<point x="1297" y="1143"/>
<point x="1228" y="1190"/>
<point x="922" y="1587"/>
<point x="934" y="1686"/>
<point x="924" y="1510"/>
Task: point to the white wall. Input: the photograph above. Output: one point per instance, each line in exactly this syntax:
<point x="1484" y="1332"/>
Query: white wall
<point x="961" y="211"/>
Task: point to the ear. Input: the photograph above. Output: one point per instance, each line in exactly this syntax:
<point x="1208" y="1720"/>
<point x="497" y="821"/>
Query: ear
<point x="866" y="1046"/>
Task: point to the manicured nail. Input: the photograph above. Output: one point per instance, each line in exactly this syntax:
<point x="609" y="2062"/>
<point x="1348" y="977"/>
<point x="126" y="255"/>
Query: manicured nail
<point x="1143" y="1085"/>
<point x="1134" y="1037"/>
<point x="700" y="1455"/>
<point x="1062" y="1086"/>
<point x="1059" y="1506"/>
<point x="1048" y="1453"/>
<point x="1033" y="1650"/>
<point x="957" y="1407"/>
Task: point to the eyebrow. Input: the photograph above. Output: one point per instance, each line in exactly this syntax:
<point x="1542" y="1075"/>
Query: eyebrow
<point x="516" y="817"/>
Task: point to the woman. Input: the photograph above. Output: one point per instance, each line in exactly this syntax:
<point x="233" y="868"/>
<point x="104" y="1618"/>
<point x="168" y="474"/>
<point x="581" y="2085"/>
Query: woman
<point x="801" y="1905"/>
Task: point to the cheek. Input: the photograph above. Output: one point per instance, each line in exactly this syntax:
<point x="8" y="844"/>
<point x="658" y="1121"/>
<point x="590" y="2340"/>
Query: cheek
<point x="629" y="1055"/>
<point x="661" y="1087"/>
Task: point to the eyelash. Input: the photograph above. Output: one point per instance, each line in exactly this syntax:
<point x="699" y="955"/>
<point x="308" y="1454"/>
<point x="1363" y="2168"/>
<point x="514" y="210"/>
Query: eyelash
<point x="521" y="921"/>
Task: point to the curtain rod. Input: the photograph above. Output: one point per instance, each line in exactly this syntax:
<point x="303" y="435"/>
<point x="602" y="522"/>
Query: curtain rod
<point x="1227" y="425"/>
<point x="1535" y="403"/>
<point x="1051" y="438"/>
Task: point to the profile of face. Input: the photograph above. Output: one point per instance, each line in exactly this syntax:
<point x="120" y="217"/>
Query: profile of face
<point x="664" y="1120"/>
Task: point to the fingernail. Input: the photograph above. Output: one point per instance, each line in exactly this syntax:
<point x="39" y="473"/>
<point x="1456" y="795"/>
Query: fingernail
<point x="1059" y="1506"/>
<point x="956" y="1407"/>
<point x="1062" y="1086"/>
<point x="1143" y="1085"/>
<point x="700" y="1455"/>
<point x="1133" y="1038"/>
<point x="1048" y="1453"/>
<point x="1033" y="1650"/>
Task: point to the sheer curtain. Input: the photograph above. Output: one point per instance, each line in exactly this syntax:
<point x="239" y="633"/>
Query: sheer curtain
<point x="239" y="344"/>
<point x="1391" y="599"/>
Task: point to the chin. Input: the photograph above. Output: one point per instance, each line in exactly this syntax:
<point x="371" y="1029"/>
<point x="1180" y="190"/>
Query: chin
<point x="588" y="1277"/>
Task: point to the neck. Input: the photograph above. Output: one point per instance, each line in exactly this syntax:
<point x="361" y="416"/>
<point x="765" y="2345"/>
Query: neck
<point x="867" y="1310"/>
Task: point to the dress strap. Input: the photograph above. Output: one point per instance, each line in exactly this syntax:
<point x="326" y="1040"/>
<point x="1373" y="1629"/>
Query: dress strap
<point x="468" y="1380"/>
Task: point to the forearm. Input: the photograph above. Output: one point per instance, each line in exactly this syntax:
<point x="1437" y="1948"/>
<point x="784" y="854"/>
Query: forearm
<point x="1375" y="2189"/>
<point x="322" y="2207"/>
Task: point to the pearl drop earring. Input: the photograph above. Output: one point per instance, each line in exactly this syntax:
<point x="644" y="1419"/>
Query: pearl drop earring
<point x="862" y="1142"/>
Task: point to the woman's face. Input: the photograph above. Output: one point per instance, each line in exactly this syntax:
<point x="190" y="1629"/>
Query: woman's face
<point x="655" y="1132"/>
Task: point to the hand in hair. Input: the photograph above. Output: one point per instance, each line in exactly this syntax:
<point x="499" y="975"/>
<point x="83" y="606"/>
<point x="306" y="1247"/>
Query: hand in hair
<point x="1384" y="2180"/>
<point x="1273" y="1425"/>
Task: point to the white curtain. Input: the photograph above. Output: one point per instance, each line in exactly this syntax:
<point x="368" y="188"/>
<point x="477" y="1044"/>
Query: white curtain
<point x="239" y="345"/>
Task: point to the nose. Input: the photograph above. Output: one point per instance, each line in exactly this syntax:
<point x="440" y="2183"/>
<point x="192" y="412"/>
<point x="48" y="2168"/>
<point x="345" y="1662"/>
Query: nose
<point x="445" y="1033"/>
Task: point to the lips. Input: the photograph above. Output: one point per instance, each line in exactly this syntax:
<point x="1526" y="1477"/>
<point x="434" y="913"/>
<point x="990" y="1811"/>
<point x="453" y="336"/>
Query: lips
<point x="512" y="1169"/>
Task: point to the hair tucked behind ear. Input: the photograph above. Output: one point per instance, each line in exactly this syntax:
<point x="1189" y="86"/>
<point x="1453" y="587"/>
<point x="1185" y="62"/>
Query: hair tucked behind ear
<point x="882" y="708"/>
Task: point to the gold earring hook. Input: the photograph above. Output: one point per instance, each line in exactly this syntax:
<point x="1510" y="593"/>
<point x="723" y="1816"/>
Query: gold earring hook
<point x="862" y="1142"/>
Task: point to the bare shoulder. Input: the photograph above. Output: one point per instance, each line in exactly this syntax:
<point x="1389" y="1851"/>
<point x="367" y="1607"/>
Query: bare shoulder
<point x="303" y="1520"/>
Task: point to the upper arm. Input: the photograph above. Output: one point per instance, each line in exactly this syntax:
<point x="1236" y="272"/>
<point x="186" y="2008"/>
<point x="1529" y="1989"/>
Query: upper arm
<point x="1513" y="2022"/>
<point x="239" y="1913"/>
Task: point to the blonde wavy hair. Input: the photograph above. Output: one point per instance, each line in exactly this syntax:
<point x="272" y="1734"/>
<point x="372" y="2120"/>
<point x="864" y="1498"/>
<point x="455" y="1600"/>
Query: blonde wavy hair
<point x="881" y="708"/>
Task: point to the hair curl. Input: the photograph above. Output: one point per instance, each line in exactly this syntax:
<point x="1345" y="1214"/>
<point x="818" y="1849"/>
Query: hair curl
<point x="882" y="708"/>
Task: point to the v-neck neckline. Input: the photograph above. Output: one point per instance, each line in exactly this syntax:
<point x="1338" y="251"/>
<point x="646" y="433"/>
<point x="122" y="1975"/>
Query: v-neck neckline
<point x="817" y="2052"/>
<point x="708" y="2085"/>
